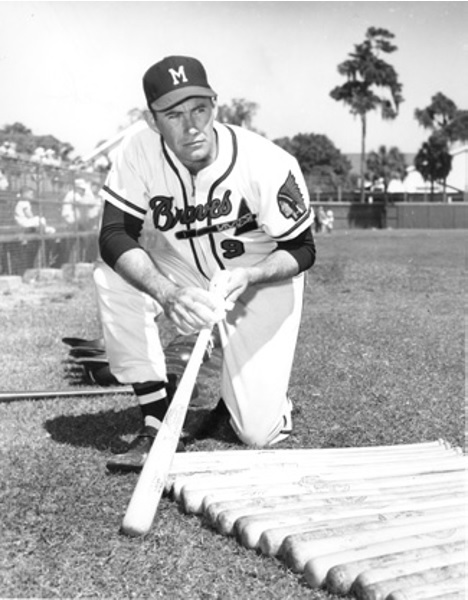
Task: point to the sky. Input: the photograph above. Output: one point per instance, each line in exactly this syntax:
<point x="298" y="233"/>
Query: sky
<point x="74" y="69"/>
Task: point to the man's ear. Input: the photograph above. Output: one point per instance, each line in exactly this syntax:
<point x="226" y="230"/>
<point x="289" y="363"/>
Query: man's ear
<point x="215" y="107"/>
<point x="150" y="120"/>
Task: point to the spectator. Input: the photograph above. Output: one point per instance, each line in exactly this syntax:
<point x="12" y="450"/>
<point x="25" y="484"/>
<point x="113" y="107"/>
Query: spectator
<point x="96" y="209"/>
<point x="25" y="217"/>
<point x="3" y="182"/>
<point x="320" y="220"/>
<point x="80" y="206"/>
<point x="8" y="149"/>
<point x="329" y="219"/>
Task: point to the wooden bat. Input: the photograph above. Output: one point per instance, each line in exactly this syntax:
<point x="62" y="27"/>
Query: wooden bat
<point x="437" y="580"/>
<point x="6" y="397"/>
<point x="297" y="550"/>
<point x="221" y="456"/>
<point x="274" y="534"/>
<point x="192" y="494"/>
<point x="273" y="498"/>
<point x="194" y="462"/>
<point x="249" y="529"/>
<point x="225" y="520"/>
<point x="454" y="589"/>
<point x="396" y="485"/>
<point x="340" y="578"/>
<point x="316" y="569"/>
<point x="150" y="485"/>
<point x="405" y="569"/>
<point x="200" y="471"/>
<point x="332" y="471"/>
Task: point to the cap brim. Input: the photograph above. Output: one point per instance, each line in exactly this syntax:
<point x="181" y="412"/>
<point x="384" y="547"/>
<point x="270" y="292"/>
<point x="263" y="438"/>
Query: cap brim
<point x="177" y="96"/>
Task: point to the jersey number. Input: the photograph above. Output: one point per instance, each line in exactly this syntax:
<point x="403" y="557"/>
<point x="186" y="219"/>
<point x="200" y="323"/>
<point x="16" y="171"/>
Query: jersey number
<point x="232" y="248"/>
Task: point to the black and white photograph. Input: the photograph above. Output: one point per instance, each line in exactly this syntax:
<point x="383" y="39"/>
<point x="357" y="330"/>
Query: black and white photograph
<point x="233" y="300"/>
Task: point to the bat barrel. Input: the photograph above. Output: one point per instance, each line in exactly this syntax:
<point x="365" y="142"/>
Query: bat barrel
<point x="385" y="521"/>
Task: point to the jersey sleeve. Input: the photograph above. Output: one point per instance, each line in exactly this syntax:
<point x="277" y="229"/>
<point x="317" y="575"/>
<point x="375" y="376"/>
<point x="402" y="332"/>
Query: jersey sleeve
<point x="125" y="186"/>
<point x="281" y="195"/>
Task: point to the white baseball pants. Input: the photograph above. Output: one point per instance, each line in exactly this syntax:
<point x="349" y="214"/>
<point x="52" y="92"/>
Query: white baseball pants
<point x="258" y="338"/>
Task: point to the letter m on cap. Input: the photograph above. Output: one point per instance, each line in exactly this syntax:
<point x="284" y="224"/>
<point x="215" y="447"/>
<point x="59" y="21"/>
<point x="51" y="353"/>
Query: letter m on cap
<point x="178" y="76"/>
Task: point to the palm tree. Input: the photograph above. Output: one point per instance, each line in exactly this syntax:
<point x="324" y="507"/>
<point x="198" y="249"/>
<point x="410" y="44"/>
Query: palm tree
<point x="371" y="83"/>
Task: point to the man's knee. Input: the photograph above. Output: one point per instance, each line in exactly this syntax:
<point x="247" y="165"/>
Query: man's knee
<point x="254" y="438"/>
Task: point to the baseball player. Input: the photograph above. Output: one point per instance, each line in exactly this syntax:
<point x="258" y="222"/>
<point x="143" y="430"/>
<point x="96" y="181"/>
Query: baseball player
<point x="228" y="209"/>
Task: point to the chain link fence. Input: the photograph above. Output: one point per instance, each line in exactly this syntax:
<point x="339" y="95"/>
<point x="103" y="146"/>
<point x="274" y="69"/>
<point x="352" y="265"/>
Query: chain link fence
<point x="49" y="215"/>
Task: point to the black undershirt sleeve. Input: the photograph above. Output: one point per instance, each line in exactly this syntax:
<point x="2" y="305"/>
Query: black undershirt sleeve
<point x="302" y="248"/>
<point x="119" y="232"/>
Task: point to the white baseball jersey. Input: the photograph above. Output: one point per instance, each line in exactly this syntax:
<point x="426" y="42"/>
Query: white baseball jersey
<point x="230" y="214"/>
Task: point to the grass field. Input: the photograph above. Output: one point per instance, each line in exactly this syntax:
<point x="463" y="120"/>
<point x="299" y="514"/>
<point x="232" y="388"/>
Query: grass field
<point x="380" y="360"/>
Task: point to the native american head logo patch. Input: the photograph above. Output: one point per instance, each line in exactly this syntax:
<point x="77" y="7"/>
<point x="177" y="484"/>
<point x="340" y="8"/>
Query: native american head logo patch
<point x="290" y="200"/>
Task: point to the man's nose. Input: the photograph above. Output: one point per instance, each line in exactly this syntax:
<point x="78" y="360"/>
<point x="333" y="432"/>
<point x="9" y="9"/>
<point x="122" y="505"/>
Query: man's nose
<point x="190" y="124"/>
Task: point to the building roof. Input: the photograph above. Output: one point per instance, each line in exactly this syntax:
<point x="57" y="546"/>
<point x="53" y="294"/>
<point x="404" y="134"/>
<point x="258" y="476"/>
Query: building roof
<point x="355" y="160"/>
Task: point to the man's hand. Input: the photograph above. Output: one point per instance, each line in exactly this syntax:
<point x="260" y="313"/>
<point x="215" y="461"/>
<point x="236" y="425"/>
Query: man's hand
<point x="233" y="283"/>
<point x="192" y="309"/>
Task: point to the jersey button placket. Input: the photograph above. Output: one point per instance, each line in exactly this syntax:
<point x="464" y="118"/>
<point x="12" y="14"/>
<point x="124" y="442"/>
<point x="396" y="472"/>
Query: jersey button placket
<point x="199" y="241"/>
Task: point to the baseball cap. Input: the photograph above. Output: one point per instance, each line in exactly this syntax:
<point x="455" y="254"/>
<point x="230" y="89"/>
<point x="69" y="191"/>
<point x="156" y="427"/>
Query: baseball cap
<point x="173" y="80"/>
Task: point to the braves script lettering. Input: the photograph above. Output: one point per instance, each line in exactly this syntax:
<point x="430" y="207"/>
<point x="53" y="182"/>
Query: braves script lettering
<point x="166" y="215"/>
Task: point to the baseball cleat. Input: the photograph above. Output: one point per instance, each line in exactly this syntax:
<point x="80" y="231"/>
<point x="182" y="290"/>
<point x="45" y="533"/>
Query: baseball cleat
<point x="287" y="428"/>
<point x="134" y="458"/>
<point x="75" y="342"/>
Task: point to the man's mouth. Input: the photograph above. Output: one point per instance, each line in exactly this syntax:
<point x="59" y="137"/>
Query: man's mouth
<point x="194" y="143"/>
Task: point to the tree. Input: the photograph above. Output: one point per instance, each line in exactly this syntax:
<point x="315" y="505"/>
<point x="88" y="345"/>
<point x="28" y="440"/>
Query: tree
<point x="240" y="112"/>
<point x="383" y="166"/>
<point x="443" y="116"/>
<point x="371" y="84"/>
<point x="457" y="129"/>
<point x="438" y="115"/>
<point x="27" y="142"/>
<point x="433" y="160"/>
<point x="447" y="124"/>
<point x="318" y="157"/>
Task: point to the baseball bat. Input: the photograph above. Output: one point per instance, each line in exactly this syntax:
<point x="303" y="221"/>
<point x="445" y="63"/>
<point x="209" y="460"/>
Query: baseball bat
<point x="112" y="141"/>
<point x="408" y="569"/>
<point x="284" y="472"/>
<point x="455" y="589"/>
<point x="221" y="460"/>
<point x="249" y="528"/>
<point x="6" y="397"/>
<point x="333" y="470"/>
<point x="297" y="550"/>
<point x="437" y="580"/>
<point x="340" y="577"/>
<point x="273" y="532"/>
<point x="150" y="485"/>
<point x="395" y="486"/>
<point x="193" y="494"/>
<point x="277" y="498"/>
<point x="317" y="568"/>
<point x="226" y="519"/>
<point x="327" y="459"/>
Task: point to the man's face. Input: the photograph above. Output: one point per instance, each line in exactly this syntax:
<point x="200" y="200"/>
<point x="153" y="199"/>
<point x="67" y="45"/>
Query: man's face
<point x="188" y="131"/>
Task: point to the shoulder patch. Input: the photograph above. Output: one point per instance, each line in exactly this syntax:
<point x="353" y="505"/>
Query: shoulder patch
<point x="290" y="200"/>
